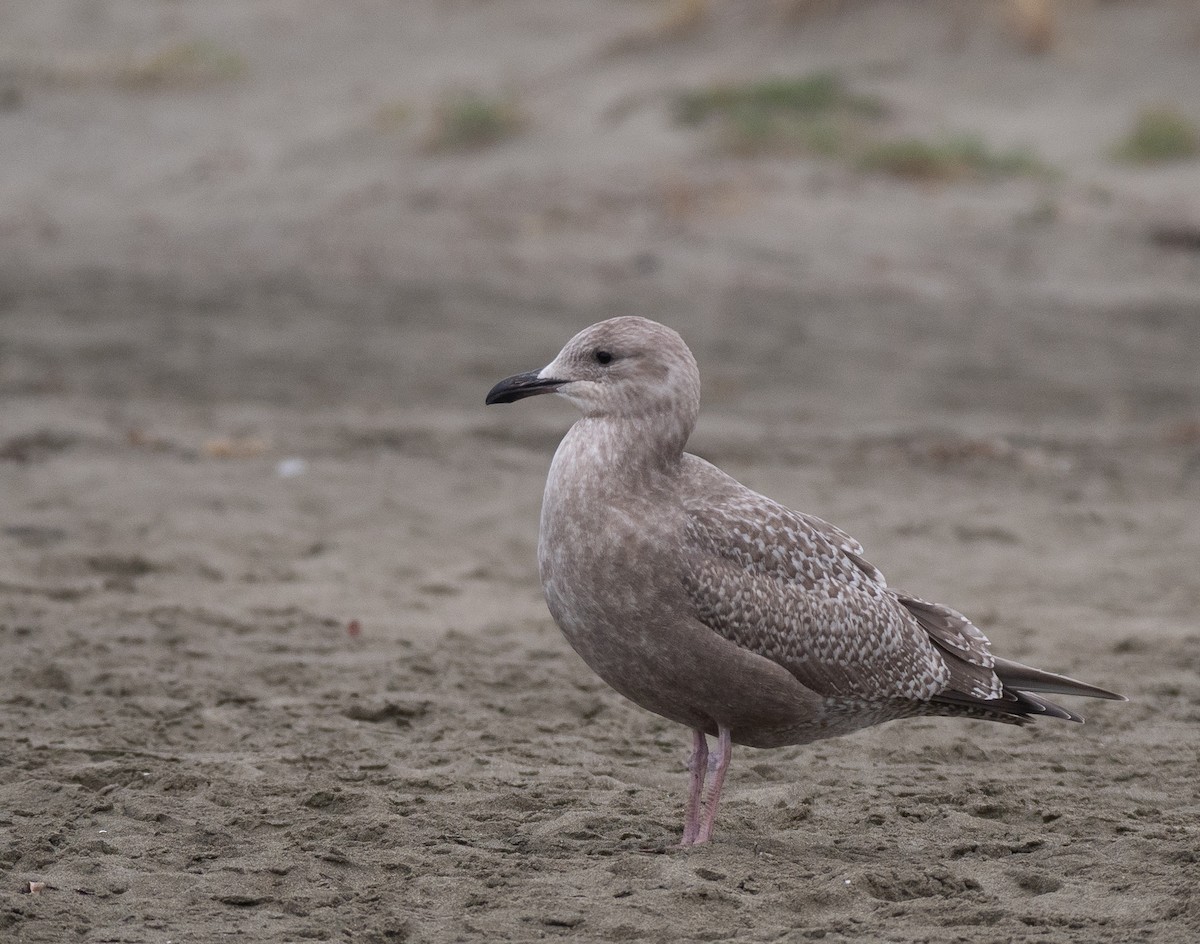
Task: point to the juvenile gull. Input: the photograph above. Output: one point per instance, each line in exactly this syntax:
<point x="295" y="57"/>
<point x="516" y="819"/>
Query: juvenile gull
<point x="715" y="606"/>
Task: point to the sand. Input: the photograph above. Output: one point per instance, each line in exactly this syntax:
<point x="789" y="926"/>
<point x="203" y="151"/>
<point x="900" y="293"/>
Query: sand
<point x="274" y="660"/>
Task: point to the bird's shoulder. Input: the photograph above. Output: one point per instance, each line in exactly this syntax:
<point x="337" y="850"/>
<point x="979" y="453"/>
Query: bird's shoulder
<point x="728" y="520"/>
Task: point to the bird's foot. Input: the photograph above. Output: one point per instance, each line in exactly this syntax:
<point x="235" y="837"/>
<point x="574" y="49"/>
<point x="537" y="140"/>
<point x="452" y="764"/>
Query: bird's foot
<point x="701" y="816"/>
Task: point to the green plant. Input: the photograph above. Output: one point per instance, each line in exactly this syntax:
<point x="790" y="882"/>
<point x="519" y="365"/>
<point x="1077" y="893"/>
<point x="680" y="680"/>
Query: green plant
<point x="470" y="120"/>
<point x="1159" y="134"/>
<point x="819" y="93"/>
<point x="814" y="113"/>
<point x="818" y="114"/>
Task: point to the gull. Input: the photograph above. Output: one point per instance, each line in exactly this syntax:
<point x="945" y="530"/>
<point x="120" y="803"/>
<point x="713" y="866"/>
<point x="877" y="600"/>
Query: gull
<point x="720" y="609"/>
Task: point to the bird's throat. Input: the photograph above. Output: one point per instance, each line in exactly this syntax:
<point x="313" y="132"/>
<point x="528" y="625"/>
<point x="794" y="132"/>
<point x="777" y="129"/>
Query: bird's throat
<point x="618" y="453"/>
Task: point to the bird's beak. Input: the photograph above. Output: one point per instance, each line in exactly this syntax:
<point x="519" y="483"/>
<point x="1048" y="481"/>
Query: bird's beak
<point x="520" y="386"/>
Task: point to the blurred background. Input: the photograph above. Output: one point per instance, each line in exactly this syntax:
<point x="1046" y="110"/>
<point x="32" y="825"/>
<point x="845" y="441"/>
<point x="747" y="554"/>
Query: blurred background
<point x="269" y="611"/>
<point x="857" y="178"/>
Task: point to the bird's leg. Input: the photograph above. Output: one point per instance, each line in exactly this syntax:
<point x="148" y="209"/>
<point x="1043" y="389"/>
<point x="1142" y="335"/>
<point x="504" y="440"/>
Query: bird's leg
<point x="698" y="767"/>
<point x="724" y="753"/>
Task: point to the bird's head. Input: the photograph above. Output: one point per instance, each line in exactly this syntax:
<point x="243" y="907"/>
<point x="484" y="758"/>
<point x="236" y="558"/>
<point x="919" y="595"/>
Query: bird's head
<point x="624" y="367"/>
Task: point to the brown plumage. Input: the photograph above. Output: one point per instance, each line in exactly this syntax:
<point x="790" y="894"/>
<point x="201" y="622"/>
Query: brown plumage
<point x="714" y="606"/>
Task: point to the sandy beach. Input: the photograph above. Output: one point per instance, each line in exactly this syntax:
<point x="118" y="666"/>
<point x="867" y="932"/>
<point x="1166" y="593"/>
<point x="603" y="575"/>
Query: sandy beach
<point x="274" y="661"/>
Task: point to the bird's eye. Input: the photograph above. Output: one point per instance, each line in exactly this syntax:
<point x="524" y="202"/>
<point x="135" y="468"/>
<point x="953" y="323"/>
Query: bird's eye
<point x="604" y="357"/>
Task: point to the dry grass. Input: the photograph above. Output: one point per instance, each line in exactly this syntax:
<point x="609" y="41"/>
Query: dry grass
<point x="676" y="20"/>
<point x="955" y="157"/>
<point x="681" y="18"/>
<point x="1035" y="23"/>
<point x="189" y="64"/>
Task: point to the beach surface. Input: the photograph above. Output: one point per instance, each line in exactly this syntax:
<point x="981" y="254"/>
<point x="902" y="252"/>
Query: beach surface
<point x="274" y="662"/>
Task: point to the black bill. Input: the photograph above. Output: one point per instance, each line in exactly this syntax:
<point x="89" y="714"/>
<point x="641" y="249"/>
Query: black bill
<point x="521" y="386"/>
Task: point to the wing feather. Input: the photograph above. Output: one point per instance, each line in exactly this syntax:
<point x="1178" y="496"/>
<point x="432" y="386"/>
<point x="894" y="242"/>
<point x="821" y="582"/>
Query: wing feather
<point x="797" y="590"/>
<point x="965" y="647"/>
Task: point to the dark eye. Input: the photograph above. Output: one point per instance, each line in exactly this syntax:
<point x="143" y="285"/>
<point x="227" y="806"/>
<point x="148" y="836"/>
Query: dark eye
<point x="604" y="357"/>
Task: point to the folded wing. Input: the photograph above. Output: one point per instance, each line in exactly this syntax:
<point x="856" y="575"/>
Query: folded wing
<point x="798" y="591"/>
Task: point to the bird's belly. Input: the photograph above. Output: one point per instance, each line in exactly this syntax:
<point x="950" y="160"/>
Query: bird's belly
<point x="681" y="670"/>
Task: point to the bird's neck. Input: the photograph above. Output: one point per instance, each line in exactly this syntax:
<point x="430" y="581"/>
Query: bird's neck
<point x="603" y="452"/>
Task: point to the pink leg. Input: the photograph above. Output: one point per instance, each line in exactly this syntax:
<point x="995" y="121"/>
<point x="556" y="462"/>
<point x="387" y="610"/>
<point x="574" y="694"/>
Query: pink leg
<point x="724" y="753"/>
<point x="698" y="765"/>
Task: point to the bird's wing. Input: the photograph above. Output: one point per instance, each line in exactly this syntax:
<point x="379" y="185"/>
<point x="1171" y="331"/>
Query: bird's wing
<point x="965" y="648"/>
<point x="795" y="589"/>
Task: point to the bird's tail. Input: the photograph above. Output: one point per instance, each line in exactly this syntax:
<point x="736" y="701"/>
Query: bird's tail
<point x="1025" y="678"/>
<point x="1017" y="703"/>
